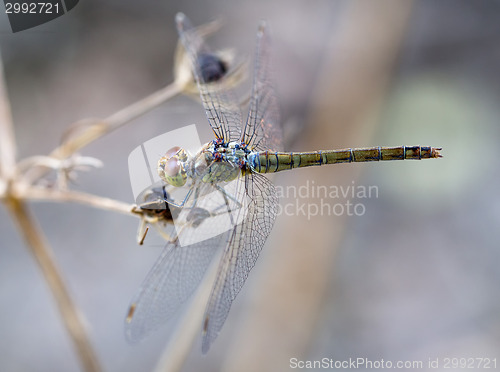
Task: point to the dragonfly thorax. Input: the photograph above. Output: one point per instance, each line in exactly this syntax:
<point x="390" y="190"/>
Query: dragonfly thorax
<point x="220" y="161"/>
<point x="231" y="152"/>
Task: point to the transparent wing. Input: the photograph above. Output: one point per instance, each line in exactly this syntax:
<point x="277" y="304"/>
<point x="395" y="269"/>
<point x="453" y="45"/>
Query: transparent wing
<point x="243" y="249"/>
<point x="211" y="213"/>
<point x="262" y="130"/>
<point x="221" y="108"/>
<point x="172" y="280"/>
<point x="202" y="226"/>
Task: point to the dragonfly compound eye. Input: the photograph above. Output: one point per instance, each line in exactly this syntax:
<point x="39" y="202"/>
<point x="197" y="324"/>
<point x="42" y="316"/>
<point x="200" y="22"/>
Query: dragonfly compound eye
<point x="171" y="169"/>
<point x="173" y="151"/>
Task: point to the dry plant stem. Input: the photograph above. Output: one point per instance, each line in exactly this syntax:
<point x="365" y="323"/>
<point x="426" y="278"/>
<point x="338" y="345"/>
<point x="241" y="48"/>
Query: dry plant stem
<point x="43" y="254"/>
<point x="116" y="120"/>
<point x="7" y="140"/>
<point x="81" y="198"/>
<point x="34" y="237"/>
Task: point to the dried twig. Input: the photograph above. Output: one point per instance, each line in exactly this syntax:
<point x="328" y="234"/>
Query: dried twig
<point x="34" y="237"/>
<point x="90" y="200"/>
<point x="43" y="254"/>
<point x="112" y="122"/>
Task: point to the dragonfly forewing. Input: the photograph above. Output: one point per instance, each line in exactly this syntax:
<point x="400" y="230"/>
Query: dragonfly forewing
<point x="262" y="130"/>
<point x="227" y="206"/>
<point x="221" y="106"/>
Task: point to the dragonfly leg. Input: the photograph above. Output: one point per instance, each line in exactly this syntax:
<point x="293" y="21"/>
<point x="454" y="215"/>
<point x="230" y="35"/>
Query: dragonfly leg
<point x="181" y="205"/>
<point x="225" y="195"/>
<point x="228" y="209"/>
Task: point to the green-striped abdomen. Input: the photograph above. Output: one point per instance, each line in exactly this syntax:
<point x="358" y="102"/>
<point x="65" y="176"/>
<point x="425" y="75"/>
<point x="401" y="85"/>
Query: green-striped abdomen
<point x="269" y="162"/>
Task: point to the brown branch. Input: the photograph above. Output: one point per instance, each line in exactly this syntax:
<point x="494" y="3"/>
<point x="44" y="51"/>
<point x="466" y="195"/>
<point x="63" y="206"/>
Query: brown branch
<point x="105" y="126"/>
<point x="77" y="197"/>
<point x="34" y="237"/>
<point x="43" y="254"/>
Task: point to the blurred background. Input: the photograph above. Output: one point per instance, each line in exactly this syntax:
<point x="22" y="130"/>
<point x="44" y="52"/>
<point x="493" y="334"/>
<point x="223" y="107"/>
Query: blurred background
<point x="414" y="277"/>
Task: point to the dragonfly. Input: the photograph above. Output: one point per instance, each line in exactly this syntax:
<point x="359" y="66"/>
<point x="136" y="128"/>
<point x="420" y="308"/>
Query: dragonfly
<point x="239" y="155"/>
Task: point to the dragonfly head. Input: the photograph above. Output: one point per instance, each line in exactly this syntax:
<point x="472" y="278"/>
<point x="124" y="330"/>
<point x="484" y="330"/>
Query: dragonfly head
<point x="171" y="167"/>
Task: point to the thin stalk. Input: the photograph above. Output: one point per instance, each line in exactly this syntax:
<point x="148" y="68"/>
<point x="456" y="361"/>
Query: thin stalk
<point x="78" y="197"/>
<point x="116" y="120"/>
<point x="44" y="257"/>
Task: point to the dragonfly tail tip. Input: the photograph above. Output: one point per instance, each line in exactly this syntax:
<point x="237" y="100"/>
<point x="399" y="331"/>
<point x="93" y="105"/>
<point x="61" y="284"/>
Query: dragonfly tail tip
<point x="436" y="152"/>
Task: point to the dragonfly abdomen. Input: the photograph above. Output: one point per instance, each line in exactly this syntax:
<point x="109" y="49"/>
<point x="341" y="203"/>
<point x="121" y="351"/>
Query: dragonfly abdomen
<point x="270" y="162"/>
